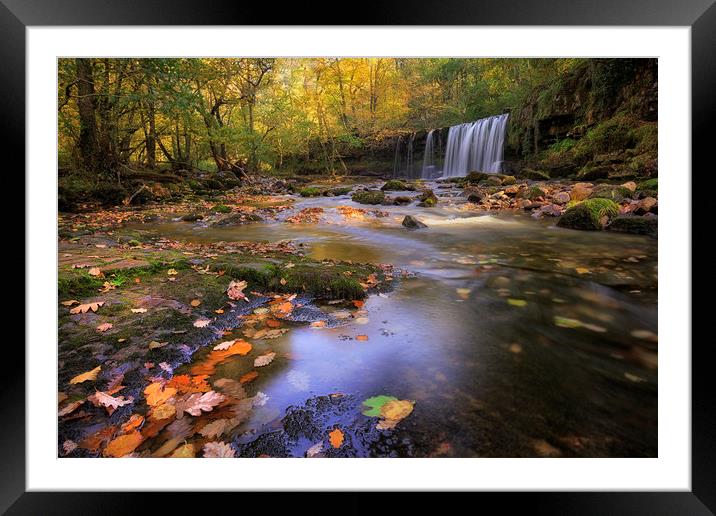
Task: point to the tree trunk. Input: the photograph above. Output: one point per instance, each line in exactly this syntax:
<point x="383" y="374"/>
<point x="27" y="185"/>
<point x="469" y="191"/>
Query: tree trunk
<point x="89" y="146"/>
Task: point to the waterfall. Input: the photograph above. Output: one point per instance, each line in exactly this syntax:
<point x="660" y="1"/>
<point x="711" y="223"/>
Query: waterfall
<point x="429" y="158"/>
<point x="396" y="164"/>
<point x="475" y="146"/>
<point x="409" y="158"/>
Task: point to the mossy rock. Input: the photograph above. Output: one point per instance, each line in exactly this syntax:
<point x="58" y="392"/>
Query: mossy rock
<point x="508" y="180"/>
<point x="310" y="191"/>
<point x="428" y="199"/>
<point x="368" y="197"/>
<point x="341" y="191"/>
<point x="534" y="192"/>
<point x="476" y="177"/>
<point x="490" y="181"/>
<point x="221" y="208"/>
<point x="213" y="184"/>
<point x="402" y="200"/>
<point x="589" y="215"/>
<point x="394" y="185"/>
<point x="535" y="175"/>
<point x="635" y="225"/>
<point x="590" y="172"/>
<point x="615" y="193"/>
<point x="648" y="188"/>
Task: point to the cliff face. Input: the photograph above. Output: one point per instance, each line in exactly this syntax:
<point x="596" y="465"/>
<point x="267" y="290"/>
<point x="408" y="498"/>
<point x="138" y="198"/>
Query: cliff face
<point x="597" y="122"/>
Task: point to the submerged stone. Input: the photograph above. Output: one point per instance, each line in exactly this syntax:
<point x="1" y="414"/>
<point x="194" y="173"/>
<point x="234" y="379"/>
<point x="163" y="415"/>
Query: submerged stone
<point x="411" y="222"/>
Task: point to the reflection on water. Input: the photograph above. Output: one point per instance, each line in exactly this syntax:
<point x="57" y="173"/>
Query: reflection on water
<point x="515" y="338"/>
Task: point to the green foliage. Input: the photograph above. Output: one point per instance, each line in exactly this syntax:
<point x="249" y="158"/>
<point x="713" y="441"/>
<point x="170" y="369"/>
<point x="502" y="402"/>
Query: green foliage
<point x="562" y="145"/>
<point x="650" y="187"/>
<point x="310" y="191"/>
<point x="221" y="208"/>
<point x="615" y="193"/>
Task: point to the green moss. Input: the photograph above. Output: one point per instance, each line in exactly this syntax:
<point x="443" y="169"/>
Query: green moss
<point x="614" y="192"/>
<point x="341" y="191"/>
<point x="310" y="191"/>
<point x="393" y="185"/>
<point x="476" y="177"/>
<point x="134" y="243"/>
<point x="368" y="197"/>
<point x="587" y="215"/>
<point x="508" y="180"/>
<point x="533" y="192"/>
<point x="429" y="202"/>
<point x="536" y="175"/>
<point x="77" y="284"/>
<point x="562" y="146"/>
<point x="648" y="188"/>
<point x="221" y="208"/>
<point x="635" y="225"/>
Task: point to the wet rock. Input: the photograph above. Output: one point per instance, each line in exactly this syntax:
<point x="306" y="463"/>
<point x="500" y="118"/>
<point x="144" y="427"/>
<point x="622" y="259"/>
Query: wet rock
<point x="561" y="198"/>
<point x="428" y="199"/>
<point x="646" y="205"/>
<point x="192" y="217"/>
<point x="589" y="215"/>
<point x="531" y="205"/>
<point x="613" y="192"/>
<point x="411" y="222"/>
<point x="476" y="177"/>
<point x="536" y="175"/>
<point x="490" y="181"/>
<point x="235" y="219"/>
<point x="402" y="200"/>
<point x="368" y="197"/>
<point x="551" y="210"/>
<point x="581" y="191"/>
<point x="393" y="185"/>
<point x="630" y="185"/>
<point x="512" y="190"/>
<point x="474" y="194"/>
<point x="508" y="180"/>
<point x="635" y="225"/>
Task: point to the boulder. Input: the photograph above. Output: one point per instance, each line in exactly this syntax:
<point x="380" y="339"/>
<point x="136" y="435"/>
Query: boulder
<point x="428" y="199"/>
<point x="192" y="217"/>
<point x="368" y="197"/>
<point x="635" y="225"/>
<point x="561" y="198"/>
<point x="474" y="194"/>
<point x="411" y="222"/>
<point x="402" y="200"/>
<point x="646" y="205"/>
<point x="580" y="191"/>
<point x="589" y="215"/>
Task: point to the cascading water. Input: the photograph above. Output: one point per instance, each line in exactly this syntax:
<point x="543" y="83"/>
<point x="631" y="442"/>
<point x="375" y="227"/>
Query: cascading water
<point x="429" y="158"/>
<point x="475" y="146"/>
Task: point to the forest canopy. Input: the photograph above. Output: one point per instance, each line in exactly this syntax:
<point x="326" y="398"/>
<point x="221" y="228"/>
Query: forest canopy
<point x="256" y="114"/>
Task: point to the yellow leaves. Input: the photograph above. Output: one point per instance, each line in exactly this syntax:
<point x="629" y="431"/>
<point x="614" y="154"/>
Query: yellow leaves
<point x="517" y="302"/>
<point x="236" y="290"/>
<point x="582" y="270"/>
<point x="156" y="393"/>
<point x="336" y="438"/>
<point x="172" y="272"/>
<point x="84" y="308"/>
<point x="134" y="422"/>
<point x="163" y="411"/>
<point x="89" y="376"/>
<point x="183" y="452"/>
<point x="393" y="412"/>
<point x="123" y="445"/>
<point x="104" y="327"/>
<point x="154" y="344"/>
<point x="195" y="302"/>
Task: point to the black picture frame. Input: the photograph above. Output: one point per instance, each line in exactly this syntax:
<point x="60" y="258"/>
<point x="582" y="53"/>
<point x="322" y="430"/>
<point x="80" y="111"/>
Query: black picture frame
<point x="700" y="15"/>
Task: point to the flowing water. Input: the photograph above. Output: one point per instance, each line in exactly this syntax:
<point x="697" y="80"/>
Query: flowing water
<point x="514" y="337"/>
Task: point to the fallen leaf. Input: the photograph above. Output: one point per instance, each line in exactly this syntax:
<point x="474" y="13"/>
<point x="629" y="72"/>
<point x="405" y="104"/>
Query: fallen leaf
<point x="69" y="446"/>
<point x="260" y="399"/>
<point x="70" y="408"/>
<point x="110" y="403"/>
<point x="516" y="302"/>
<point x="315" y="450"/>
<point x="231" y="388"/>
<point x="163" y="411"/>
<point x="156" y="394"/>
<point x="83" y="309"/>
<point x="373" y="405"/>
<point x="133" y="423"/>
<point x="123" y="445"/>
<point x="582" y="270"/>
<point x="195" y="302"/>
<point x="183" y="452"/>
<point x="172" y="272"/>
<point x="94" y="271"/>
<point x="336" y="438"/>
<point x="104" y="327"/>
<point x="139" y="310"/>
<point x="70" y="302"/>
<point x="154" y="344"/>
<point x="88" y="376"/>
<point x="218" y="427"/>
<point x="318" y="324"/>
<point x="264" y="360"/>
<point x="224" y="345"/>
<point x="249" y="377"/>
<point x="195" y="403"/>
<point x="362" y="337"/>
<point x="201" y="323"/>
<point x="218" y="450"/>
<point x="235" y="290"/>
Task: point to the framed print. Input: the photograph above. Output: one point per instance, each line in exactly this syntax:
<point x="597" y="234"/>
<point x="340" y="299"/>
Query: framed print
<point x="388" y="256"/>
